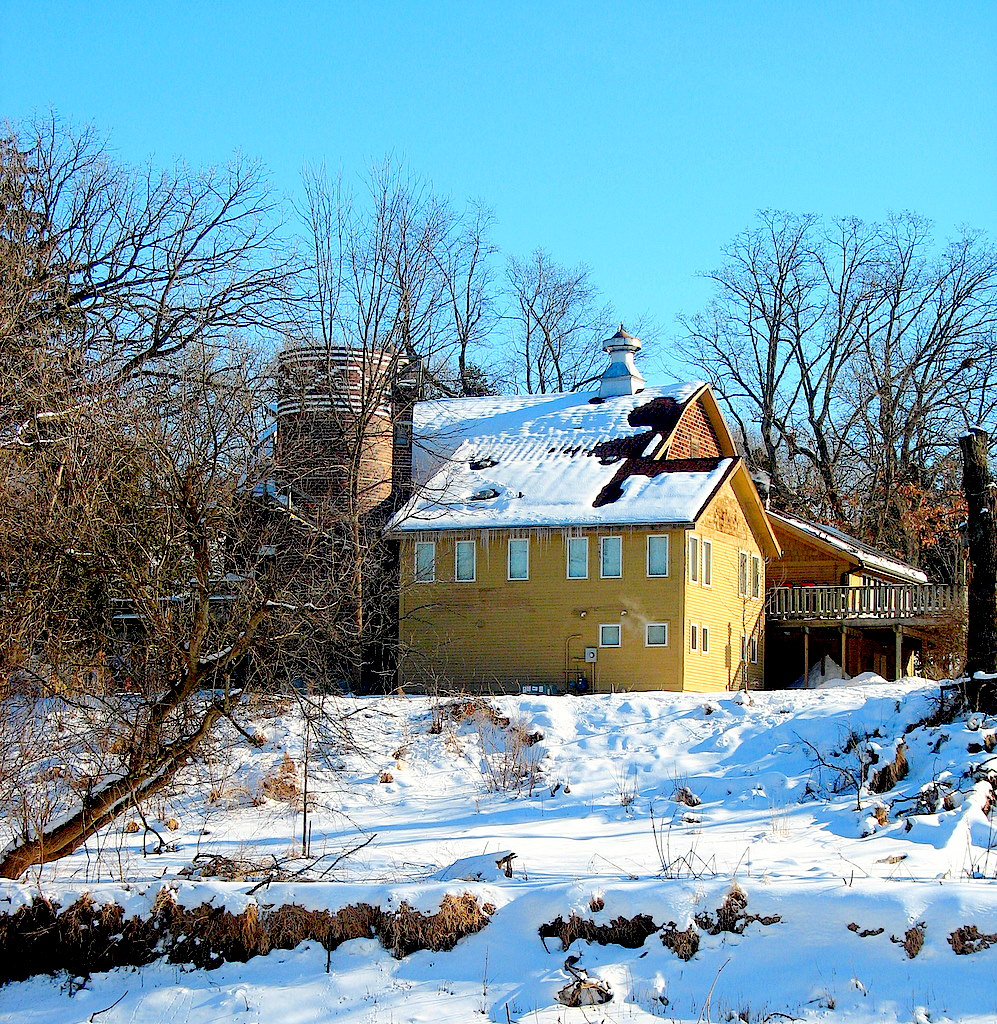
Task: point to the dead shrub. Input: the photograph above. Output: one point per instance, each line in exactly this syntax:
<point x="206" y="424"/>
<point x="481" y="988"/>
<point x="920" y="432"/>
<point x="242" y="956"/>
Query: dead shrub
<point x="731" y="915"/>
<point x="684" y="795"/>
<point x="234" y="869"/>
<point x="282" y="784"/>
<point x="597" y="903"/>
<point x="913" y="939"/>
<point x="172" y="824"/>
<point x="969" y="939"/>
<point x="892" y="772"/>
<point x="477" y="709"/>
<point x="629" y="932"/>
<point x="865" y="933"/>
<point x="882" y="814"/>
<point x="386" y="777"/>
<point x="131" y="826"/>
<point x="684" y="944"/>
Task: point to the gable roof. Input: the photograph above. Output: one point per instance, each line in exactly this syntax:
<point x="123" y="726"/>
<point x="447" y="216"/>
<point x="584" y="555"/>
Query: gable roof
<point x="851" y="548"/>
<point x="560" y="460"/>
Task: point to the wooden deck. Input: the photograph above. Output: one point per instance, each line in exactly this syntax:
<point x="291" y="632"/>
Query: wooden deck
<point x="886" y="605"/>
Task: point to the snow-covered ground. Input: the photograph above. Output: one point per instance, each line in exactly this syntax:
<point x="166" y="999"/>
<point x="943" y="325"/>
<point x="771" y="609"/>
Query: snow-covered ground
<point x="630" y="804"/>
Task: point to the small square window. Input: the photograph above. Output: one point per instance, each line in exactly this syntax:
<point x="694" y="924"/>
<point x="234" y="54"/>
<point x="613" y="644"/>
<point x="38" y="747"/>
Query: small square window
<point x="611" y="557"/>
<point x="519" y="559"/>
<point x="578" y="558"/>
<point x="465" y="559"/>
<point x="657" y="554"/>
<point x="425" y="562"/>
<point x="609" y="635"/>
<point x="656" y="634"/>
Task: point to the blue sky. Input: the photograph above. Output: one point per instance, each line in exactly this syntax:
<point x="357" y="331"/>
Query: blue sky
<point x="638" y="138"/>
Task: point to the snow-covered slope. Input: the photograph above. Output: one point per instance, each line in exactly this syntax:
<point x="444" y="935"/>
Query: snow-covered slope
<point x="649" y="804"/>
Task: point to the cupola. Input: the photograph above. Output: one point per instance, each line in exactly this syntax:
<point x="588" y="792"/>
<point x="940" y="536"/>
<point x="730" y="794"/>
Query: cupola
<point x="621" y="376"/>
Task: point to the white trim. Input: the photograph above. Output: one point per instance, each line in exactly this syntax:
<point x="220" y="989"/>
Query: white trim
<point x="418" y="576"/>
<point x="474" y="561"/>
<point x="602" y="557"/>
<point x="647" y="639"/>
<point x="693" y="636"/>
<point x="704" y="638"/>
<point x="743" y="578"/>
<point x="619" y="634"/>
<point x="668" y="556"/>
<point x="706" y="573"/>
<point x="693" y="558"/>
<point x="568" y="541"/>
<point x="757" y="580"/>
<point x="508" y="561"/>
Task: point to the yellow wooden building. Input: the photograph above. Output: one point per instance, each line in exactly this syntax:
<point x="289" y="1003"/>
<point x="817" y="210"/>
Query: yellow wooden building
<point x="608" y="539"/>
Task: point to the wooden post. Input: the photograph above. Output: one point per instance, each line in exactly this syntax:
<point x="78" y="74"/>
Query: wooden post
<point x="844" y="654"/>
<point x="899" y="652"/>
<point x="981" y="640"/>
<point x="806" y="657"/>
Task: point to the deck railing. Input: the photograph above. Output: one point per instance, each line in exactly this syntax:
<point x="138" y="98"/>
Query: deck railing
<point x="886" y="602"/>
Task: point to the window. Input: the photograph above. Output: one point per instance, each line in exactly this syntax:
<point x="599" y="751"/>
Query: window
<point x="578" y="558"/>
<point x="656" y="634"/>
<point x="744" y="649"/>
<point x="519" y="559"/>
<point x="611" y="557"/>
<point x="657" y="554"/>
<point x="693" y="559"/>
<point x="742" y="573"/>
<point x="693" y="637"/>
<point x="756" y="576"/>
<point x="609" y="635"/>
<point x="465" y="561"/>
<point x="425" y="562"/>
<point x="704" y="639"/>
<point x="753" y="643"/>
<point x="403" y="435"/>
<point x="707" y="563"/>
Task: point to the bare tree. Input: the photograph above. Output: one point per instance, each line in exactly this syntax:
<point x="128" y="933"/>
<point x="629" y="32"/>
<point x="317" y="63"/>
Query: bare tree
<point x="559" y="323"/>
<point x="844" y="354"/>
<point x="130" y="460"/>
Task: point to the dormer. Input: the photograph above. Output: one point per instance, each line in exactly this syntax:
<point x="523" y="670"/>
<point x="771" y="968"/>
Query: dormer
<point x="621" y="376"/>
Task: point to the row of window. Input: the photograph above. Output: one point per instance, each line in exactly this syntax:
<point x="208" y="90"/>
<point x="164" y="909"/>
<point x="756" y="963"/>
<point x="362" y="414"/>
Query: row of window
<point x="749" y="575"/>
<point x="518" y="559"/>
<point x="655" y="634"/>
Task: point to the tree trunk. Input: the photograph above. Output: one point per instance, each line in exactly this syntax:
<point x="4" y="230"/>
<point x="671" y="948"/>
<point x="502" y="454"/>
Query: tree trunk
<point x="981" y="645"/>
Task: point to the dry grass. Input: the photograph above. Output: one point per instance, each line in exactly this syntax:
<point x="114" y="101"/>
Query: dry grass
<point x="732" y="915"/>
<point x="892" y="772"/>
<point x="969" y="939"/>
<point x="282" y="784"/>
<point x="85" y="938"/>
<point x="913" y="939"/>
<point x="629" y="932"/>
<point x="684" y="944"/>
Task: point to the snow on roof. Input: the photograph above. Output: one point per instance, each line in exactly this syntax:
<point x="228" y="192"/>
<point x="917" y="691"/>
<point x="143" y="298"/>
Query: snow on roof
<point x="547" y="461"/>
<point x="856" y="549"/>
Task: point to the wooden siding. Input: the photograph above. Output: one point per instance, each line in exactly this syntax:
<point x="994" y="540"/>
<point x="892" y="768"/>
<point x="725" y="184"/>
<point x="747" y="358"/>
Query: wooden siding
<point x="728" y="614"/>
<point x="497" y="631"/>
<point x="501" y="632"/>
